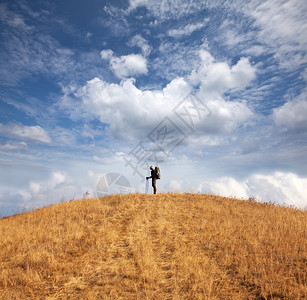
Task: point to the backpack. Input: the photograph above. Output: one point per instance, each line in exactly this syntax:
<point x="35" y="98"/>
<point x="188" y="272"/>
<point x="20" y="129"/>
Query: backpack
<point x="157" y="173"/>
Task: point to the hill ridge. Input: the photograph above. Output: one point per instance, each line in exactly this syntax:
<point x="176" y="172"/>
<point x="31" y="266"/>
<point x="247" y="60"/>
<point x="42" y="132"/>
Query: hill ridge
<point x="161" y="246"/>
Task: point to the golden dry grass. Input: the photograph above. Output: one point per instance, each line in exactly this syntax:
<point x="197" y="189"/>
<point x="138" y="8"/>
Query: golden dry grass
<point x="167" y="246"/>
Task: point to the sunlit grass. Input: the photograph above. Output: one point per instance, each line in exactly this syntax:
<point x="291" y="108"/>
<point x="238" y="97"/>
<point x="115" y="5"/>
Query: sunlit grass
<point x="166" y="246"/>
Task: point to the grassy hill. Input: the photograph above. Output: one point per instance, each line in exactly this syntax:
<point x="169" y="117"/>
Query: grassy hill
<point x="166" y="246"/>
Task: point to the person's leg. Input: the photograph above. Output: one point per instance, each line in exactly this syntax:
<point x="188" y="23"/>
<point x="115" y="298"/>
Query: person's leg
<point x="154" y="186"/>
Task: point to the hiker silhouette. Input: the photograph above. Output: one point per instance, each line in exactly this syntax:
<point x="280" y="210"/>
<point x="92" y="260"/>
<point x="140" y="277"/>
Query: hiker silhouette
<point x="153" y="177"/>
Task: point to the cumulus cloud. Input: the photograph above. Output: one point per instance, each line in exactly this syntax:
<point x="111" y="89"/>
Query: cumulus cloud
<point x="219" y="77"/>
<point x="132" y="112"/>
<point x="126" y="65"/>
<point x="50" y="190"/>
<point x="129" y="65"/>
<point x="216" y="78"/>
<point x="32" y="133"/>
<point x="293" y="114"/>
<point x="227" y="187"/>
<point x="35" y="182"/>
<point x="225" y="116"/>
<point x="287" y="189"/>
<point x="129" y="110"/>
<point x="279" y="188"/>
<point x="30" y="188"/>
<point x="57" y="181"/>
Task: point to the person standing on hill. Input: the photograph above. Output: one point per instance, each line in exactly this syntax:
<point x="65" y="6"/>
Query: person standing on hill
<point x="153" y="179"/>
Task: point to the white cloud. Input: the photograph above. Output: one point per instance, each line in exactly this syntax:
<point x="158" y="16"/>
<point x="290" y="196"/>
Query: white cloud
<point x="34" y="187"/>
<point x="38" y="190"/>
<point x="227" y="187"/>
<point x="32" y="133"/>
<point x="255" y="50"/>
<point x="215" y="79"/>
<point x="25" y="195"/>
<point x="269" y="27"/>
<point x="133" y="4"/>
<point x="188" y="29"/>
<point x="174" y="186"/>
<point x="129" y="65"/>
<point x="280" y="188"/>
<point x="219" y="77"/>
<point x="106" y="54"/>
<point x="293" y="114"/>
<point x="281" y="27"/>
<point x="88" y="131"/>
<point x="11" y="145"/>
<point x="287" y="189"/>
<point x="47" y="191"/>
<point x="255" y="28"/>
<point x="281" y="21"/>
<point x="166" y="9"/>
<point x="129" y="110"/>
<point x="230" y="34"/>
<point x="88" y="35"/>
<point x="12" y="19"/>
<point x="225" y="116"/>
<point x="140" y="42"/>
<point x="126" y="65"/>
<point x="209" y="141"/>
<point x="132" y="112"/>
<point x="175" y="59"/>
<point x="40" y="54"/>
<point x="57" y="178"/>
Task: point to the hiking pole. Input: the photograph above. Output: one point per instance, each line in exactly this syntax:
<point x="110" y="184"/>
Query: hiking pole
<point x="146" y="188"/>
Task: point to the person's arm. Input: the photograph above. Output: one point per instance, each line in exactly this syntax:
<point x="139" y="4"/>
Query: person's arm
<point x="148" y="177"/>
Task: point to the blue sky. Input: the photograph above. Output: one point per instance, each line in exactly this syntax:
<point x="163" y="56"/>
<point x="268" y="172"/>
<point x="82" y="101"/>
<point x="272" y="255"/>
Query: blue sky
<point x="212" y="91"/>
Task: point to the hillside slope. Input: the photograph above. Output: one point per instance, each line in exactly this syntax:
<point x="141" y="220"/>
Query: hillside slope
<point x="167" y="246"/>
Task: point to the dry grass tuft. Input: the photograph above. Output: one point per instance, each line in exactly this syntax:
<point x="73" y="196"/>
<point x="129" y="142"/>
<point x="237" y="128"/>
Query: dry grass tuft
<point x="167" y="246"/>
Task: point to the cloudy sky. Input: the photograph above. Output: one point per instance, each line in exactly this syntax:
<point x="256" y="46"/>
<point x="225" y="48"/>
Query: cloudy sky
<point x="214" y="92"/>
